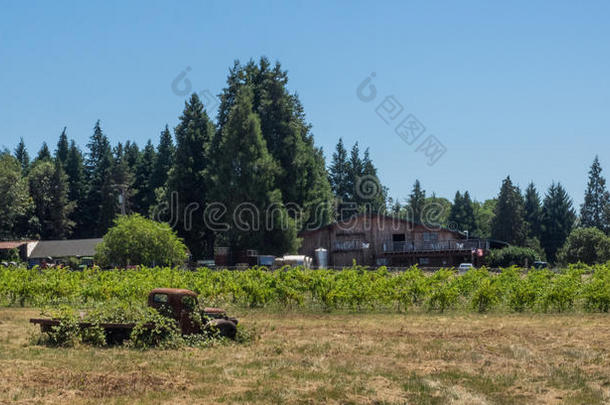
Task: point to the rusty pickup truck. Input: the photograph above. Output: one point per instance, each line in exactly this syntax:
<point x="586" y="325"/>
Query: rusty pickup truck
<point x="179" y="304"/>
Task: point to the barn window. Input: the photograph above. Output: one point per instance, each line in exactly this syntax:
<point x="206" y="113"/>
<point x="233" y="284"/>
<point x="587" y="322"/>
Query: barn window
<point x="430" y="236"/>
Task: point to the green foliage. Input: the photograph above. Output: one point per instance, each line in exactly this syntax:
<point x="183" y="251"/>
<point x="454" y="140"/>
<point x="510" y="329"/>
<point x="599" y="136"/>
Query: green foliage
<point x="244" y="177"/>
<point x="417" y="201"/>
<point x="511" y="255"/>
<point x="120" y="295"/>
<point x="557" y="220"/>
<point x="135" y="240"/>
<point x="155" y="330"/>
<point x="190" y="179"/>
<point x="586" y="245"/>
<point x="461" y="216"/>
<point x="508" y="224"/>
<point x="444" y="290"/>
<point x="596" y="291"/>
<point x="595" y="208"/>
<point x="560" y="294"/>
<point x="67" y="333"/>
<point x="16" y="205"/>
<point x="486" y="295"/>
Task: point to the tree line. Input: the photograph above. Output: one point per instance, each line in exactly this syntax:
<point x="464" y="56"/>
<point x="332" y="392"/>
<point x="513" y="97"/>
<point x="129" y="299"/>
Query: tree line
<point x="525" y="219"/>
<point x="259" y="151"/>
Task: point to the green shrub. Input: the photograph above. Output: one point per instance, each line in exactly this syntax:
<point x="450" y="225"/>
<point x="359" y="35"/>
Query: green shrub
<point x="135" y="240"/>
<point x="443" y="289"/>
<point x="560" y="294"/>
<point x="511" y="255"/>
<point x="155" y="330"/>
<point x="596" y="291"/>
<point x="67" y="333"/>
<point x="486" y="296"/>
<point x="586" y="245"/>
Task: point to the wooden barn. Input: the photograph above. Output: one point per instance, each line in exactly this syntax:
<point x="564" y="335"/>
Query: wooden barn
<point x="376" y="240"/>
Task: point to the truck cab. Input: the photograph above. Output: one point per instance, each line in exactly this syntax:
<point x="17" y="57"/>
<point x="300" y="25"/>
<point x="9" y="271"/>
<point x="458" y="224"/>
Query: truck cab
<point x="182" y="305"/>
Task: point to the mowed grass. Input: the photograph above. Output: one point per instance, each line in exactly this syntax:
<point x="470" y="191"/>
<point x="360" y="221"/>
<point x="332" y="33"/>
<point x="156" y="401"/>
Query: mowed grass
<point x="329" y="358"/>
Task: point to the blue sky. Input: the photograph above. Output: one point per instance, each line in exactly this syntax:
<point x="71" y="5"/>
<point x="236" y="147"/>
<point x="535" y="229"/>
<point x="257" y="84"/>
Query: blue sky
<point x="519" y="88"/>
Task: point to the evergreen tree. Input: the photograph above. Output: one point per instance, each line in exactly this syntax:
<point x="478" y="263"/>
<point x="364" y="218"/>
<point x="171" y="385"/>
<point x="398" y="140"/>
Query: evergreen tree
<point x="21" y="153"/>
<point x="61" y="153"/>
<point x="145" y="194"/>
<point x="121" y="185"/>
<point x="132" y="155"/>
<point x="164" y="160"/>
<point x="461" y="215"/>
<point x="338" y="177"/>
<point x="244" y="172"/>
<point x="557" y="221"/>
<point x="533" y="211"/>
<point x="417" y="201"/>
<point x="100" y="193"/>
<point x="509" y="224"/>
<point x="189" y="177"/>
<point x="60" y="206"/>
<point x="593" y="212"/>
<point x="43" y="154"/>
<point x="49" y="190"/>
<point x="376" y="200"/>
<point x="302" y="179"/>
<point x="77" y="193"/>
<point x="456" y="213"/>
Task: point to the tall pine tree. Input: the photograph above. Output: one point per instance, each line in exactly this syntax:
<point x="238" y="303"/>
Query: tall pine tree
<point x="77" y="193"/>
<point x="164" y="160"/>
<point x="100" y="193"/>
<point x="61" y="153"/>
<point x="417" y="201"/>
<point x="376" y="201"/>
<point x="21" y="153"/>
<point x="43" y="154"/>
<point x="145" y="194"/>
<point x="557" y="221"/>
<point x="594" y="210"/>
<point x="508" y="224"/>
<point x="461" y="216"/>
<point x="532" y="211"/>
<point x="339" y="178"/>
<point x="302" y="179"/>
<point x="244" y="173"/>
<point x="189" y="178"/>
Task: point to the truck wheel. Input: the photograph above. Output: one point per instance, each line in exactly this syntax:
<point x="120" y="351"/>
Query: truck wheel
<point x="225" y="328"/>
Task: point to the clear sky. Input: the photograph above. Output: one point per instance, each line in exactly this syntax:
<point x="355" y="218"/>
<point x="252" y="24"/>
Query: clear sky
<point x="519" y="88"/>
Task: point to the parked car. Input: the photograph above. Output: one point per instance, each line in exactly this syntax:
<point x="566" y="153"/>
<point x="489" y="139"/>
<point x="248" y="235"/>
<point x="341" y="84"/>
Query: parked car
<point x="464" y="267"/>
<point x="540" y="265"/>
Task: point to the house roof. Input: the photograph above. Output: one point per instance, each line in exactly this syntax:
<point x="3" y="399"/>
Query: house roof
<point x="64" y="248"/>
<point x="389" y="217"/>
<point x="12" y="244"/>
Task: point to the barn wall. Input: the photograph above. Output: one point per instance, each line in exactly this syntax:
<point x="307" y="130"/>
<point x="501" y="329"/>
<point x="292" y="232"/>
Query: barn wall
<point x="344" y="240"/>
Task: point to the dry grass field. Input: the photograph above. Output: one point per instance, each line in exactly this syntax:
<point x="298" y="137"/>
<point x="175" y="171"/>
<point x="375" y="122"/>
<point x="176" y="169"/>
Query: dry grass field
<point x="329" y="358"/>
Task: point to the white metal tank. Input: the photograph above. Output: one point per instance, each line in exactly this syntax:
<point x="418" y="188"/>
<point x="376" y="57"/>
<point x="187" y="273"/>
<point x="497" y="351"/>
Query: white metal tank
<point x="322" y="258"/>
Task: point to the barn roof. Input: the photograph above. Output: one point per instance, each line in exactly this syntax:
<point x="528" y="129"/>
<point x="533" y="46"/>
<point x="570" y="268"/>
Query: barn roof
<point x="64" y="248"/>
<point x="382" y="216"/>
